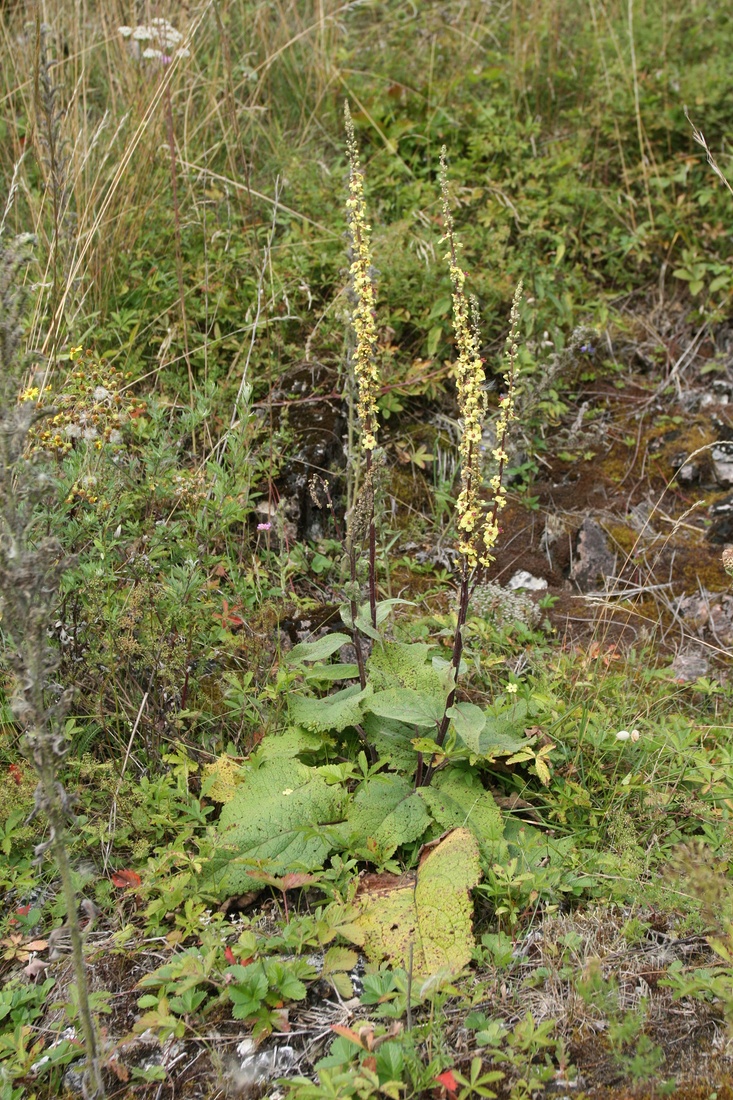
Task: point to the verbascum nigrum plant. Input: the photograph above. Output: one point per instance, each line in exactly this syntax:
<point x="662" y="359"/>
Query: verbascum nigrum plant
<point x="31" y="567"/>
<point x="365" y="368"/>
<point x="477" y="519"/>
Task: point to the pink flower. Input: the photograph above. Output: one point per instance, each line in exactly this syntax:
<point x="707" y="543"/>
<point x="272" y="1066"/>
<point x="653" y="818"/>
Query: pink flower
<point x="264" y="526"/>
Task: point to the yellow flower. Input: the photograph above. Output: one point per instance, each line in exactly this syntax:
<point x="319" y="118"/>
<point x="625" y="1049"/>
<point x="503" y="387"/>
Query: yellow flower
<point x="479" y="528"/>
<point x="74" y="353"/>
<point x="363" y="317"/>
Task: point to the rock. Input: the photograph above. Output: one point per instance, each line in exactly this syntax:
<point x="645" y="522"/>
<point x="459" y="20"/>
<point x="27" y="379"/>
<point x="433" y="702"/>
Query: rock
<point x="594" y="561"/>
<point x="721" y="514"/>
<point x="687" y="473"/>
<point x="257" y="1068"/>
<point x="523" y="579"/>
<point x="722" y="459"/>
<point x="689" y="666"/>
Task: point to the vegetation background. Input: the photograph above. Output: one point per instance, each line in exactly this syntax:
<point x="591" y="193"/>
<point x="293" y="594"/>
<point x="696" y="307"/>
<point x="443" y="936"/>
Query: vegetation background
<point x="186" y="341"/>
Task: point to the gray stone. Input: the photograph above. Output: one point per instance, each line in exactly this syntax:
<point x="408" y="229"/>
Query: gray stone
<point x="594" y="561"/>
<point x="689" y="666"/>
<point x="523" y="579"/>
<point x="722" y="458"/>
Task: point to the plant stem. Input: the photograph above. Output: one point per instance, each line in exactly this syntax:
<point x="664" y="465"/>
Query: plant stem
<point x="372" y="545"/>
<point x="354" y="608"/>
<point x="463" y="601"/>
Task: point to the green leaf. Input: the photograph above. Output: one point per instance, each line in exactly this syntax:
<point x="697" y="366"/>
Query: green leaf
<point x="387" y="810"/>
<point x="318" y="650"/>
<point x="290" y="742"/>
<point x="405" y="705"/>
<point x="405" y="664"/>
<point x="274" y="817"/>
<point x="330" y="673"/>
<point x="469" y="721"/>
<point x="434" y="337"/>
<point x="456" y="798"/>
<point x="335" y="712"/>
<point x="392" y="741"/>
<point x="430" y="911"/>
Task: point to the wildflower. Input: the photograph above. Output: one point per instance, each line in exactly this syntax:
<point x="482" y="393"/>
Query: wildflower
<point x="511" y="689"/>
<point x="74" y="353"/>
<point x="364" y="292"/>
<point x="264" y="526"/>
<point x="478" y="530"/>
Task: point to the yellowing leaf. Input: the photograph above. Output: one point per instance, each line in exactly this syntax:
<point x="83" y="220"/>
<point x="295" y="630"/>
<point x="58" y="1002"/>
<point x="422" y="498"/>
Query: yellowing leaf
<point x="221" y="779"/>
<point x="430" y="910"/>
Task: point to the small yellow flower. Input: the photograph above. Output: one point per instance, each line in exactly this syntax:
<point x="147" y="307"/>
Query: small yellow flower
<point x="478" y="526"/>
<point x="511" y="689"/>
<point x="364" y="313"/>
<point x="74" y="353"/>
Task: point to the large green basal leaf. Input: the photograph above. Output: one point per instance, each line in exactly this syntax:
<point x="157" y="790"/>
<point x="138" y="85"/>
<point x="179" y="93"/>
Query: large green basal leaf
<point x="400" y="704"/>
<point x="334" y="712"/>
<point x="274" y="817"/>
<point x="392" y="741"/>
<point x="430" y="911"/>
<point x="457" y="798"/>
<point x="387" y="810"/>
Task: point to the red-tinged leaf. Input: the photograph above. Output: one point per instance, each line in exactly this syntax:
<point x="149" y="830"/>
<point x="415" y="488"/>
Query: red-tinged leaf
<point x="295" y="879"/>
<point x="36" y="945"/>
<point x="347" y="1033"/>
<point x="447" y="1080"/>
<point x="125" y="879"/>
<point x="15" y="774"/>
<point x="229" y="955"/>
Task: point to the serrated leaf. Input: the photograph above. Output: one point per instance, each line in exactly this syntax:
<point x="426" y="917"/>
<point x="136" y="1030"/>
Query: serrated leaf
<point x="337" y="962"/>
<point x="430" y="911"/>
<point x="290" y="742"/>
<point x="318" y="650"/>
<point x="335" y="712"/>
<point x="274" y="819"/>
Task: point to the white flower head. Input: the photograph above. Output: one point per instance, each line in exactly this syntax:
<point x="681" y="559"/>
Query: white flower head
<point x="152" y="53"/>
<point x="143" y="34"/>
<point x="126" y="32"/>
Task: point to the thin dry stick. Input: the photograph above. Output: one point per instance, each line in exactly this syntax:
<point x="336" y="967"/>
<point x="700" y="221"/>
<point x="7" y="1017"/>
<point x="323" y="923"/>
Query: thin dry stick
<point x="179" y="251"/>
<point x="113" y="809"/>
<point x="700" y="139"/>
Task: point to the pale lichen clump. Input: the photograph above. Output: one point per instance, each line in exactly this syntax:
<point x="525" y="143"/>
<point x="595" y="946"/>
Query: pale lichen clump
<point x="363" y="319"/>
<point x="478" y="528"/>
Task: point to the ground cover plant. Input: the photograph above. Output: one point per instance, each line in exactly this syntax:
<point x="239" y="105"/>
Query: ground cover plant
<point x="374" y="666"/>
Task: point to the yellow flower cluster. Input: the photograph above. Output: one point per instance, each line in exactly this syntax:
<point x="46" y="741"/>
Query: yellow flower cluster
<point x="92" y="407"/>
<point x="363" y="316"/>
<point x="478" y="529"/>
<point x="506" y="415"/>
